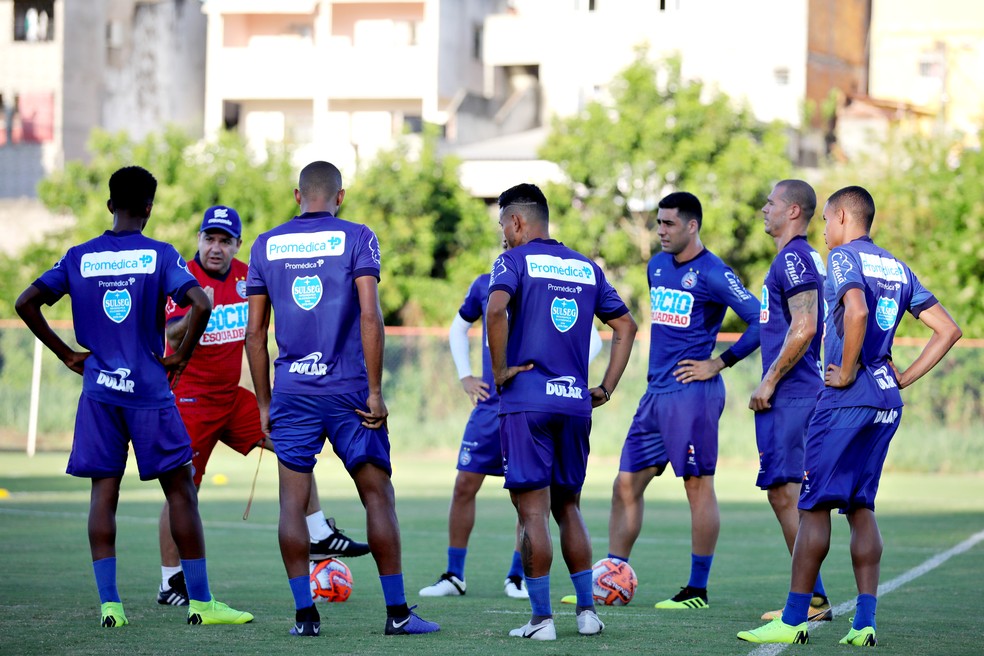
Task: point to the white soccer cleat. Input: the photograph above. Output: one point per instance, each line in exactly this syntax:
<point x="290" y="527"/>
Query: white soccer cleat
<point x="516" y="588"/>
<point x="588" y="623"/>
<point x="545" y="630"/>
<point x="448" y="585"/>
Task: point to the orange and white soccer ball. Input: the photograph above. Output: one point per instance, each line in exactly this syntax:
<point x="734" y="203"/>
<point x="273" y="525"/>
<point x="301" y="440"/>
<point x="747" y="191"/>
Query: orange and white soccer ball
<point x="613" y="583"/>
<point x="331" y="580"/>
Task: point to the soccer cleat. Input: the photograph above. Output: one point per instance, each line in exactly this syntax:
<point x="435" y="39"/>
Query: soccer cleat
<point x="176" y="593"/>
<point x="337" y="545"/>
<point x="687" y="598"/>
<point x="412" y="624"/>
<point x="860" y="637"/>
<point x="545" y="630"/>
<point x="568" y="599"/>
<point x="307" y="622"/>
<point x="113" y="616"/>
<point x="448" y="585"/>
<point x="820" y="611"/>
<point x="588" y="623"/>
<point x="778" y="631"/>
<point x="215" y="612"/>
<point x="516" y="588"/>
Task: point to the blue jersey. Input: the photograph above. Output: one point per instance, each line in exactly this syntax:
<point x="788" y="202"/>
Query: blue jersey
<point x="890" y="288"/>
<point x="307" y="267"/>
<point x="555" y="293"/>
<point x="797" y="268"/>
<point x="688" y="301"/>
<point x="119" y="284"/>
<point x="473" y="308"/>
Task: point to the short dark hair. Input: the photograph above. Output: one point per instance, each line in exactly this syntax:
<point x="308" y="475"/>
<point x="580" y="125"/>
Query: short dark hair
<point x="320" y="179"/>
<point x="686" y="204"/>
<point x="857" y="202"/>
<point x="801" y="194"/>
<point x="132" y="189"/>
<point x="530" y="196"/>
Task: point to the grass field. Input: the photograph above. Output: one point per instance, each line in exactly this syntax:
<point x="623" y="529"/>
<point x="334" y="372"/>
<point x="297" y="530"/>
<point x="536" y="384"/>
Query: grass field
<point x="49" y="604"/>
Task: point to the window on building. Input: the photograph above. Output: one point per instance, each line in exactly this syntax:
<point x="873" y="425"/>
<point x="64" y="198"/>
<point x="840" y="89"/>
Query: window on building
<point x="34" y="20"/>
<point x="781" y="75"/>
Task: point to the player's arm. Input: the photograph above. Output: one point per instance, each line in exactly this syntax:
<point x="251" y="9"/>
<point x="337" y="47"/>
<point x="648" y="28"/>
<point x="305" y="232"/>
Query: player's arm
<point x="803" y="308"/>
<point x="197" y="317"/>
<point x="28" y="306"/>
<point x="594" y="348"/>
<point x="476" y="388"/>
<point x="623" y="337"/>
<point x="257" y="354"/>
<point x="855" y="326"/>
<point x="371" y="323"/>
<point x="946" y="332"/>
<point x="497" y="327"/>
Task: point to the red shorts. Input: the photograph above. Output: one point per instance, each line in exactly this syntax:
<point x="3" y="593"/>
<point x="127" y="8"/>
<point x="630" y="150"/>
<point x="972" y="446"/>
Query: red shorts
<point x="235" y="423"/>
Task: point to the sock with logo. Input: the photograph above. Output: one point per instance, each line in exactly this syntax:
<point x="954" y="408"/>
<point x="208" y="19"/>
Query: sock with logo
<point x="105" y="571"/>
<point x="318" y="527"/>
<point x="456" y="561"/>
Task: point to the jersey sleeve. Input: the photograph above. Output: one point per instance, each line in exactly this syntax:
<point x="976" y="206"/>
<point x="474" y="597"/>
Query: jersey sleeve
<point x="505" y="275"/>
<point x="255" y="282"/>
<point x="471" y="308"/>
<point x="609" y="304"/>
<point x="797" y="275"/>
<point x="725" y="287"/>
<point x="366" y="253"/>
<point x="177" y="278"/>
<point x="922" y="299"/>
<point x="53" y="283"/>
<point x="844" y="272"/>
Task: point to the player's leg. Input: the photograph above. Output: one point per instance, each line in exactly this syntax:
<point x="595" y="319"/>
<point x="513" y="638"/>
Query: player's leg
<point x="103" y="501"/>
<point x="628" y="506"/>
<point x="575" y="545"/>
<point x="292" y="534"/>
<point x="461" y="521"/>
<point x="705" y="526"/>
<point x="536" y="546"/>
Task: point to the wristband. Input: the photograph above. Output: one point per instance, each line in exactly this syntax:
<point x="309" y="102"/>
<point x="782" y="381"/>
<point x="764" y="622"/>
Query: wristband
<point x="608" y="396"/>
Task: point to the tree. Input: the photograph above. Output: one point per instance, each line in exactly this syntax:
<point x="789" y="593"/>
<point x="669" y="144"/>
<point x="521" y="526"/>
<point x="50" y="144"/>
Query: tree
<point x="660" y="133"/>
<point x="434" y="237"/>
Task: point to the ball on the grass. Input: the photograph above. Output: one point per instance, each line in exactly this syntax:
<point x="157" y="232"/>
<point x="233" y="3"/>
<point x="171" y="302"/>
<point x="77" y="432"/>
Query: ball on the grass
<point x="4" y="493"/>
<point x="613" y="583"/>
<point x="331" y="580"/>
<point x="220" y="479"/>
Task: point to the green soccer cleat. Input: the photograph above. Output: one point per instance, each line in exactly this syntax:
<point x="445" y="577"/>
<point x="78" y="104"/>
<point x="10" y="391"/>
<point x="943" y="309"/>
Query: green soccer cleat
<point x="568" y="599"/>
<point x="687" y="598"/>
<point x="860" y="637"/>
<point x="215" y="612"/>
<point x="113" y="616"/>
<point x="778" y="631"/>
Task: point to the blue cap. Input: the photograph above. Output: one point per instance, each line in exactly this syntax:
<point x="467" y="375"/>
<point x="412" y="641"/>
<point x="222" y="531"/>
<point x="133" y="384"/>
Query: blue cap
<point x="222" y="218"/>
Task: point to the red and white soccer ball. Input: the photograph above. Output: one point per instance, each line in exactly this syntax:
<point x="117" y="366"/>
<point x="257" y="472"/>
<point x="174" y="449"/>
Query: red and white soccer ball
<point x="331" y="580"/>
<point x="613" y="583"/>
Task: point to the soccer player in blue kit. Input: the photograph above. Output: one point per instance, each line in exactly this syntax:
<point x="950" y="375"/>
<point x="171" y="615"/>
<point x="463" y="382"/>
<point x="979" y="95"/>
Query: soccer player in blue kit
<point x="319" y="274"/>
<point x="542" y="299"/>
<point x="118" y="283"/>
<point x="480" y="454"/>
<point x="690" y="290"/>
<point x="867" y="291"/>
<point x="791" y="328"/>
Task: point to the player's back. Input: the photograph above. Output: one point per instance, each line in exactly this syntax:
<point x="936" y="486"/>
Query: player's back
<point x="308" y="267"/>
<point x="118" y="283"/>
<point x="555" y="294"/>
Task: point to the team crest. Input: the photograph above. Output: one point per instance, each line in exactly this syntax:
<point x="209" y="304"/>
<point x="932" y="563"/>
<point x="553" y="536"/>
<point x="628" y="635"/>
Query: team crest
<point x="689" y="280"/>
<point x="117" y="304"/>
<point x="886" y="312"/>
<point x="563" y="313"/>
<point x="241" y="288"/>
<point x="465" y="457"/>
<point x="307" y="291"/>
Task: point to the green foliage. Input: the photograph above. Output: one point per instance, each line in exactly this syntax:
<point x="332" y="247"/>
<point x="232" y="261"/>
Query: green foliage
<point x="434" y="237"/>
<point x="660" y="133"/>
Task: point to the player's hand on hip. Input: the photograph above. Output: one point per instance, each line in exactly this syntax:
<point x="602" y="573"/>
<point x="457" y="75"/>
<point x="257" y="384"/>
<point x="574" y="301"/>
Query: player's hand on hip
<point x="694" y="370"/>
<point x="375" y="417"/>
<point x="76" y="361"/>
<point x="598" y="397"/>
<point x="761" y="395"/>
<point x="174" y="364"/>
<point x="837" y="376"/>
<point x="501" y="378"/>
<point x="476" y="389"/>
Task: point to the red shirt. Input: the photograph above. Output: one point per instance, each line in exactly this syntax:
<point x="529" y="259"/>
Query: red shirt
<point x="216" y="365"/>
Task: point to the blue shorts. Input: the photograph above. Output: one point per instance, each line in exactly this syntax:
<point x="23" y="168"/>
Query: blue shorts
<point x="104" y="431"/>
<point x="845" y="451"/>
<point x="542" y="449"/>
<point x="781" y="435"/>
<point x="481" y="451"/>
<point x="299" y="425"/>
<point x="679" y="427"/>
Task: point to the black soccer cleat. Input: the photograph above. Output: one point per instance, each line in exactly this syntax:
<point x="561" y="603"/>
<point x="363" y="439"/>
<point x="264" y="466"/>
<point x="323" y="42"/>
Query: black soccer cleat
<point x="337" y="545"/>
<point x="176" y="593"/>
<point x="307" y="623"/>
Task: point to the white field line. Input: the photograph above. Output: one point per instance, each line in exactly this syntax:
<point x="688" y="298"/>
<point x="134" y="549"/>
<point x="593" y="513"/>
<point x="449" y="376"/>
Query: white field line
<point x="883" y="589"/>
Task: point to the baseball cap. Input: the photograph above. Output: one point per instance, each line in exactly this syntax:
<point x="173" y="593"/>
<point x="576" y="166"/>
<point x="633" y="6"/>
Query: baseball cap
<point x="222" y="218"/>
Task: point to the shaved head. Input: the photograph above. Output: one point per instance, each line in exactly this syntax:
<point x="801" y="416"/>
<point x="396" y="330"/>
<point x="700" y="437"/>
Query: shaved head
<point x="319" y="180"/>
<point x="801" y="194"/>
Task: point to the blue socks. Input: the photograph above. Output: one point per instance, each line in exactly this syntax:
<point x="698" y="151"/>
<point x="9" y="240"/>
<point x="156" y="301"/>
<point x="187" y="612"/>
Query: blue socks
<point x="700" y="569"/>
<point x="797" y="608"/>
<point x="539" y="588"/>
<point x="456" y="561"/>
<point x="818" y="588"/>
<point x="300" y="586"/>
<point x="393" y="591"/>
<point x="516" y="569"/>
<point x="864" y="614"/>
<point x="196" y="577"/>
<point x="618" y="558"/>
<point x="105" y="571"/>
<point x="582" y="588"/>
